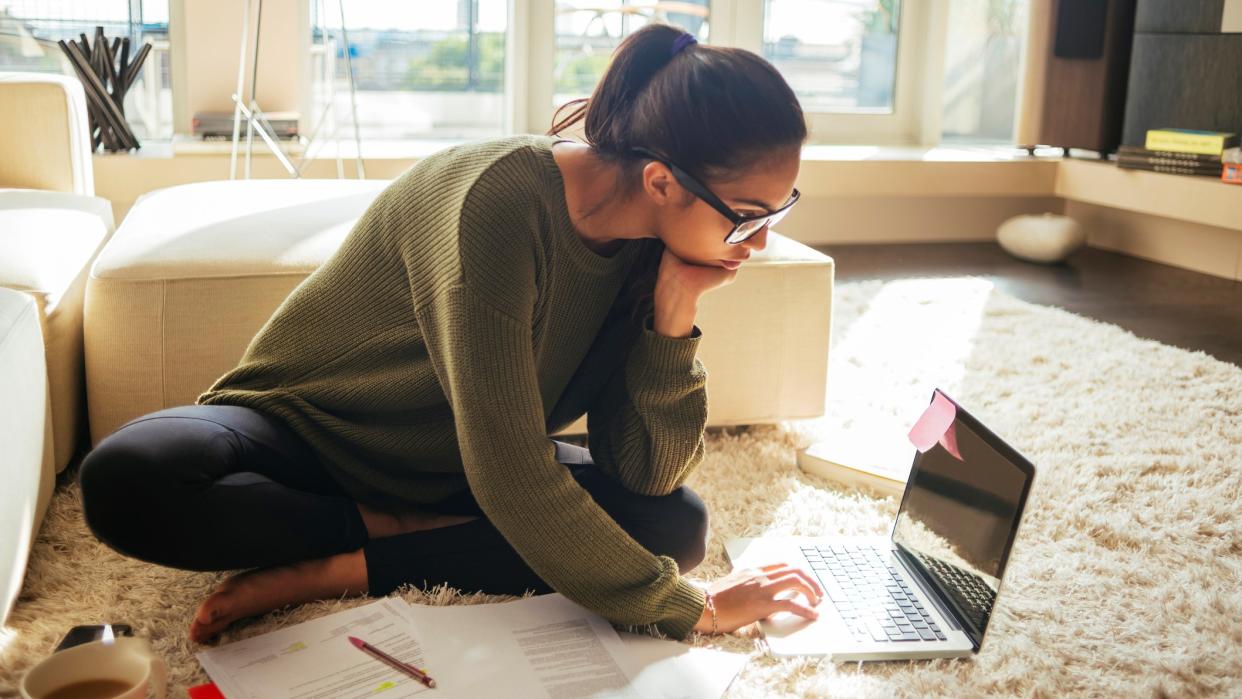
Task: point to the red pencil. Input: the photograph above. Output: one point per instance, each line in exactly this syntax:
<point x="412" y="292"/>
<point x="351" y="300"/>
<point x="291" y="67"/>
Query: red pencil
<point x="391" y="661"/>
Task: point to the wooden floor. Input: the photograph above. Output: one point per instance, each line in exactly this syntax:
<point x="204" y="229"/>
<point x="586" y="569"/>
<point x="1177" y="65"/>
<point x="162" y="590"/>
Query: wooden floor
<point x="1172" y="305"/>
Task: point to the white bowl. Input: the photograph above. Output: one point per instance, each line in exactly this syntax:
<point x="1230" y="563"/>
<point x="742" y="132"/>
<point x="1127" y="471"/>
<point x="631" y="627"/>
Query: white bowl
<point x="1043" y="238"/>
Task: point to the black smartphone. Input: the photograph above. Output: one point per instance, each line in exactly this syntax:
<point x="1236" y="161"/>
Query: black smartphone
<point x="85" y="634"/>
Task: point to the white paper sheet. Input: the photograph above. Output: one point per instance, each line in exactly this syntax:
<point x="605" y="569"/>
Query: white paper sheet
<point x="543" y="646"/>
<point x="671" y="670"/>
<point x="315" y="660"/>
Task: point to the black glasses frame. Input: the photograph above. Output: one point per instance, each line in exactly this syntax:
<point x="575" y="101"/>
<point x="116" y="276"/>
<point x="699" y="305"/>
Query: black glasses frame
<point x="701" y="191"/>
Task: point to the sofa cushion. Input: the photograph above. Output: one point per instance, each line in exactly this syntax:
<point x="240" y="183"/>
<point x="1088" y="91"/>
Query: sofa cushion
<point x="48" y="239"/>
<point x="234" y="228"/>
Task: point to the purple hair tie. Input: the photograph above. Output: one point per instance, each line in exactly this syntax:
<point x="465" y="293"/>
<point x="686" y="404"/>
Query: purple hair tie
<point x="682" y="42"/>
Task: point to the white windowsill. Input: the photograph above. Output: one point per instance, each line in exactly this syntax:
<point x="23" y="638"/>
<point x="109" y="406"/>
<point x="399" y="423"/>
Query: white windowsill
<point x="408" y="149"/>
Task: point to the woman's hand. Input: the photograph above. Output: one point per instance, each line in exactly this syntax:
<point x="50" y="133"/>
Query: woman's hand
<point x="749" y="594"/>
<point x="679" y="285"/>
<point x="690" y="279"/>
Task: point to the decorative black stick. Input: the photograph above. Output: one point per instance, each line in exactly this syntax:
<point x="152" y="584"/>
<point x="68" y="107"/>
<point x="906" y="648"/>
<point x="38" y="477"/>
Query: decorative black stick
<point x="106" y="72"/>
<point x="98" y="94"/>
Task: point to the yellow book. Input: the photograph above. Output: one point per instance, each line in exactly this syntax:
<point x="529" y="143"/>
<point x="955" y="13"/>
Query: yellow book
<point x="1190" y="141"/>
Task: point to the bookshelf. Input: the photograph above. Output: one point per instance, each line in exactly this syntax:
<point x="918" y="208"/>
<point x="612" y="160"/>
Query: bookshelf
<point x="1201" y="200"/>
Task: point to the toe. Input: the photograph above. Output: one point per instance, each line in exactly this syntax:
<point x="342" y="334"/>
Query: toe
<point x="210" y="609"/>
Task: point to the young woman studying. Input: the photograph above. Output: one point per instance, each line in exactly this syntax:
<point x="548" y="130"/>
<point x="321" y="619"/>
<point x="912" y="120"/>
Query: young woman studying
<point x="390" y="422"/>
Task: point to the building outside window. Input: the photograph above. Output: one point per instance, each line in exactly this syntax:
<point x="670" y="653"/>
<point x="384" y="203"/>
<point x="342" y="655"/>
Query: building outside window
<point x="430" y="69"/>
<point x="588" y="32"/>
<point x="838" y="55"/>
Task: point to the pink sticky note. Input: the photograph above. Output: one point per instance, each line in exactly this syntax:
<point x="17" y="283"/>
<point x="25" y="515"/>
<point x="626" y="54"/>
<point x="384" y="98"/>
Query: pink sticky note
<point x="936" y="426"/>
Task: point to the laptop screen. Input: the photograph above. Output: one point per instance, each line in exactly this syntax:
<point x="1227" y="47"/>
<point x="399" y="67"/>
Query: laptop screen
<point x="959" y="516"/>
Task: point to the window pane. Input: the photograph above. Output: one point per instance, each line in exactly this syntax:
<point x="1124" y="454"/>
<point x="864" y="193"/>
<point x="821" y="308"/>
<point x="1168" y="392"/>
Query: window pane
<point x="588" y="32"/>
<point x="982" y="63"/>
<point x="29" y="30"/>
<point x="838" y="55"/>
<point x="431" y="69"/>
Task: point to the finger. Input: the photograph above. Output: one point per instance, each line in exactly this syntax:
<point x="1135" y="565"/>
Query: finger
<point x="777" y="569"/>
<point x="794" y="607"/>
<point x="814" y="583"/>
<point x="793" y="581"/>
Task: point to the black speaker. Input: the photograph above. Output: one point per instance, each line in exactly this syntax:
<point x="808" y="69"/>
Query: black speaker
<point x="1185" y="71"/>
<point x="1085" y="74"/>
<point x="1080" y="29"/>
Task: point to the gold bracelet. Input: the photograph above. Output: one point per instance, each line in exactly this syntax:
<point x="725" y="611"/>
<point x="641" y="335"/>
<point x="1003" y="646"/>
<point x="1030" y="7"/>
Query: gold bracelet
<point x="711" y="606"/>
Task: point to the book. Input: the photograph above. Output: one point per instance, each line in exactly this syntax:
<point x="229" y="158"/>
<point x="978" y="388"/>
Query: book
<point x="1190" y="141"/>
<point x="881" y="465"/>
<point x="1136" y="153"/>
<point x="1232" y="173"/>
<point x="1172" y="168"/>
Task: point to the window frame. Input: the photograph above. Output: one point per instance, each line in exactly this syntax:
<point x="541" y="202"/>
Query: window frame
<point x="915" y="119"/>
<point x="531" y="54"/>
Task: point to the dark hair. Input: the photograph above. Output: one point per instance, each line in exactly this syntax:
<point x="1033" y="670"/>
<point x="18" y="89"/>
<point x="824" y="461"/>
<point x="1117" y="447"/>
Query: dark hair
<point x="715" y="111"/>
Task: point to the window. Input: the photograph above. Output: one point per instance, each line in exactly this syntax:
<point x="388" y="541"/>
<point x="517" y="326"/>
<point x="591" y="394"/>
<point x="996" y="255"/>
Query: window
<point x="29" y="30"/>
<point x="588" y="32"/>
<point x="431" y="69"/>
<point x="867" y="71"/>
<point x="859" y="67"/>
<point x="983" y="56"/>
<point x="838" y="55"/>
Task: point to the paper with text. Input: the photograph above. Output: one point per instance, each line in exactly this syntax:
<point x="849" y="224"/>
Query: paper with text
<point x="315" y="660"/>
<point x="543" y="646"/>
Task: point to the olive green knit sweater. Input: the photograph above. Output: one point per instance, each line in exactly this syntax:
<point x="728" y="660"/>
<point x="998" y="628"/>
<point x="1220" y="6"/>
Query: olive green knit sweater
<point x="459" y="324"/>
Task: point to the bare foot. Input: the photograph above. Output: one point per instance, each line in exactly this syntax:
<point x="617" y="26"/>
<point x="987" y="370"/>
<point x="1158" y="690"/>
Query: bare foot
<point x="261" y="590"/>
<point x="382" y="524"/>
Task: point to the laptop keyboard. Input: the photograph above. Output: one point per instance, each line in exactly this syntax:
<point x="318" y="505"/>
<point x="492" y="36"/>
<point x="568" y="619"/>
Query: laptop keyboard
<point x="876" y="603"/>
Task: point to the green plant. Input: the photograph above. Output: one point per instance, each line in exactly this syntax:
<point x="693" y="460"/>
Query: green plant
<point x="446" y="66"/>
<point x="1003" y="16"/>
<point x="883" y="18"/>
<point x="581" y="72"/>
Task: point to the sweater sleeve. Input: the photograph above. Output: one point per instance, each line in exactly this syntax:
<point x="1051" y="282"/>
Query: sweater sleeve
<point x="647" y="425"/>
<point x="485" y="363"/>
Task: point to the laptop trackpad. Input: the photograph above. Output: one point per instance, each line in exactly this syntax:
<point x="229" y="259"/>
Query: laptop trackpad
<point x="789" y="634"/>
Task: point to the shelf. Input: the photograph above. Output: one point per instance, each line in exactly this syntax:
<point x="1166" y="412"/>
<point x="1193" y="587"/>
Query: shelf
<point x="1202" y="200"/>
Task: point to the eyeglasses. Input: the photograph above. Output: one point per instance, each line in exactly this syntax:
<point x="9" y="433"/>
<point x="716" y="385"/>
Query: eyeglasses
<point x="743" y="226"/>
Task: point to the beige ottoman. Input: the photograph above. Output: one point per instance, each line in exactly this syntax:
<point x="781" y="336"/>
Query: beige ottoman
<point x="194" y="271"/>
<point x="26" y="467"/>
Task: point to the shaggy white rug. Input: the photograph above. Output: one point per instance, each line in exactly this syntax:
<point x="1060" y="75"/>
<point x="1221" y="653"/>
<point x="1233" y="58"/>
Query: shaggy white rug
<point x="1124" y="581"/>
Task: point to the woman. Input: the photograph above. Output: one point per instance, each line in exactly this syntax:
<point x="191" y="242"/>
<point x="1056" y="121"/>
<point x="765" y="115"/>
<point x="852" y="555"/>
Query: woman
<point x="389" y="424"/>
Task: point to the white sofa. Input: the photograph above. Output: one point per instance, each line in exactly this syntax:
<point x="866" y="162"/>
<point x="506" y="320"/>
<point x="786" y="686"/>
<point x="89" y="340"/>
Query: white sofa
<point x="195" y="270"/>
<point x="51" y="228"/>
<point x="26" y="466"/>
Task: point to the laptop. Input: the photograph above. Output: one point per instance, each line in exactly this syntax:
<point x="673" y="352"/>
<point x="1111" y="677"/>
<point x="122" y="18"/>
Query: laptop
<point x="928" y="589"/>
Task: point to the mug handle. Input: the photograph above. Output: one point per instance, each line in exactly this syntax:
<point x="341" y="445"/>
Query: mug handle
<point x="159" y="677"/>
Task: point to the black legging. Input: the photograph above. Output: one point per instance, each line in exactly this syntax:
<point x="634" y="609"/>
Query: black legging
<point x="220" y="487"/>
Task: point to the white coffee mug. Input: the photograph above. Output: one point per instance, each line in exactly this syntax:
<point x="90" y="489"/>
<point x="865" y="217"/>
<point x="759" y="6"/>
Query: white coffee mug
<point x="125" y="659"/>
